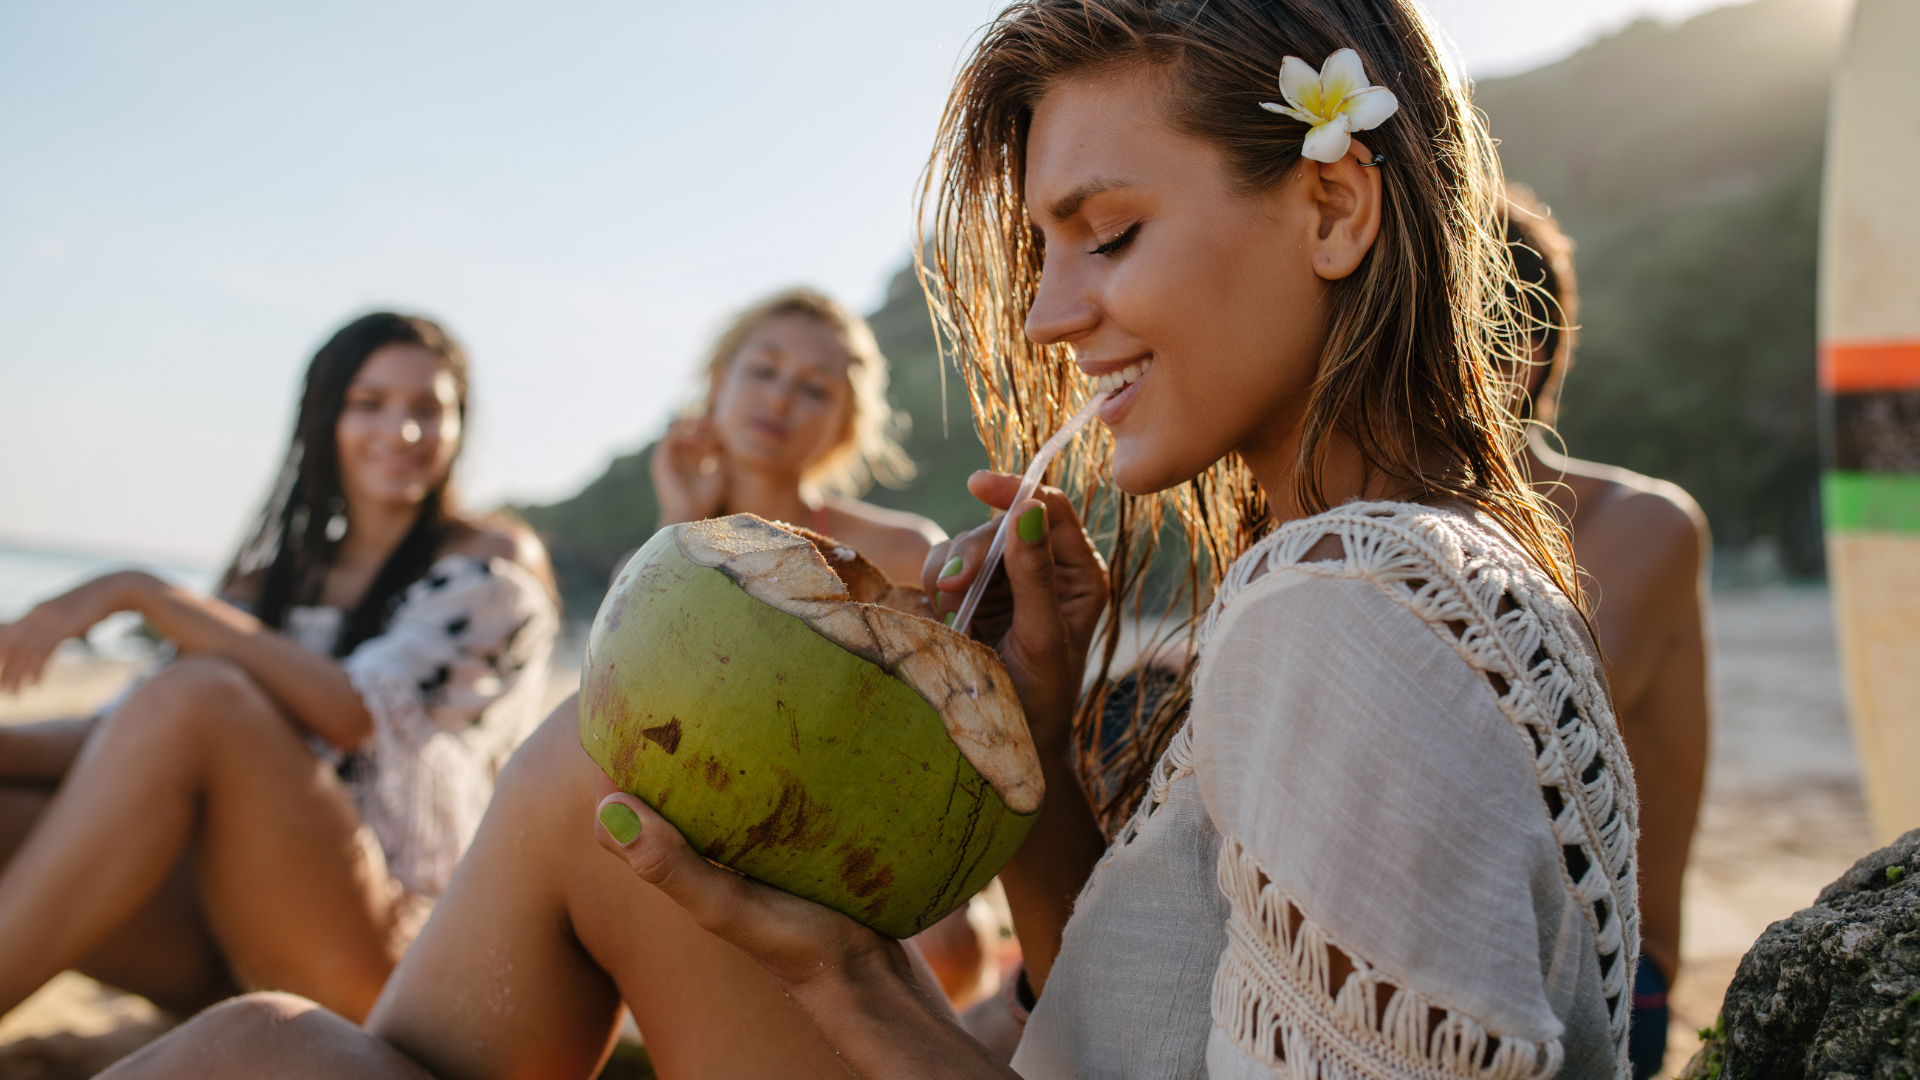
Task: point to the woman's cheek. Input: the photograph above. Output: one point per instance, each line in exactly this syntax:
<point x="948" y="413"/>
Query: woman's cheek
<point x="350" y="438"/>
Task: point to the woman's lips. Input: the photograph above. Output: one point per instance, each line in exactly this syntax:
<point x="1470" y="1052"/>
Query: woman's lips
<point x="1115" y="407"/>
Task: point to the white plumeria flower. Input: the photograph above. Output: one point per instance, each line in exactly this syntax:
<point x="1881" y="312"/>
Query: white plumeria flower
<point x="1333" y="102"/>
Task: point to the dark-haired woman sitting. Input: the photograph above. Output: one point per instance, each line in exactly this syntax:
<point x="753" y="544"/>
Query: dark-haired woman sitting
<point x="280" y="802"/>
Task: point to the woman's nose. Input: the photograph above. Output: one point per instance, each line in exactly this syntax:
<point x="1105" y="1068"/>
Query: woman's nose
<point x="410" y="431"/>
<point x="1062" y="310"/>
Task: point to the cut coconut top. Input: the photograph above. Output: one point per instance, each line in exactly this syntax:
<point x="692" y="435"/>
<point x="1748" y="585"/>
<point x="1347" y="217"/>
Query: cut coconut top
<point x="847" y="600"/>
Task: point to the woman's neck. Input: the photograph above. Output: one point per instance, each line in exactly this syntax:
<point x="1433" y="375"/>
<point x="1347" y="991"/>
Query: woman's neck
<point x="1344" y="475"/>
<point x="373" y="531"/>
<point x="774" y="497"/>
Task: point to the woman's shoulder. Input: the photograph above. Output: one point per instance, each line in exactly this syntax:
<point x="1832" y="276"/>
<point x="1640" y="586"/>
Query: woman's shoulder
<point x="893" y="540"/>
<point x="1430" y="557"/>
<point x="1390" y="593"/>
<point x="898" y="525"/>
<point x="499" y="536"/>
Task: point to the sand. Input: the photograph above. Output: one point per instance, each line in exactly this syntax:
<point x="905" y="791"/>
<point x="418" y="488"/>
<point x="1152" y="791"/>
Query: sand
<point x="1783" y="817"/>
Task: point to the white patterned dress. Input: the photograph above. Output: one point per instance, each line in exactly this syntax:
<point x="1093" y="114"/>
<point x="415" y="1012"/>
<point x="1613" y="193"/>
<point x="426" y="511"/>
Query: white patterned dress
<point x="454" y="684"/>
<point x="1401" y="764"/>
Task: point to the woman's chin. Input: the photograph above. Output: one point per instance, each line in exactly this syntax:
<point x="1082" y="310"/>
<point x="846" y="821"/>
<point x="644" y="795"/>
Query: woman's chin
<point x="1139" y="474"/>
<point x="395" y="496"/>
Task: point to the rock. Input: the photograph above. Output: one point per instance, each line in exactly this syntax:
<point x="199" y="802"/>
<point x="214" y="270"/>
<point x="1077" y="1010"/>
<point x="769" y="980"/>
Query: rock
<point x="1834" y="991"/>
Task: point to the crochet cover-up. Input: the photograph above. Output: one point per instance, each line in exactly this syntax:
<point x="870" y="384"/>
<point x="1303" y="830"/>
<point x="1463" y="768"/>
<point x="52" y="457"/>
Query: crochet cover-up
<point x="1401" y="766"/>
<point x="454" y="684"/>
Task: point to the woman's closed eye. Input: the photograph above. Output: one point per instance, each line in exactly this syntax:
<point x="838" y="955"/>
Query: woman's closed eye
<point x="1118" y="243"/>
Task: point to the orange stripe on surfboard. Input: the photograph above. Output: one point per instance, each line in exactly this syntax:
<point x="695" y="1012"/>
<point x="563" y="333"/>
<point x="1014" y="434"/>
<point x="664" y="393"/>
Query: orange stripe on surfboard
<point x="1851" y="367"/>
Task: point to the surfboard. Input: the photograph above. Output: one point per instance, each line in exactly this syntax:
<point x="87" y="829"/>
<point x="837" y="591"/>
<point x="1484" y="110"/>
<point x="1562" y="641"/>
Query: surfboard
<point x="1869" y="326"/>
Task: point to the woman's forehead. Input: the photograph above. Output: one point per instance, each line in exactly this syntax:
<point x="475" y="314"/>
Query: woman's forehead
<point x="400" y="363"/>
<point x="800" y="340"/>
<point x="1101" y="132"/>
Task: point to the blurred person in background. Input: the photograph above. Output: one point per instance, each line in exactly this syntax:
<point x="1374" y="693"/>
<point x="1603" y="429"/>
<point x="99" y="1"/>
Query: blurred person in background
<point x="792" y="426"/>
<point x="1641" y="546"/>
<point x="281" y="800"/>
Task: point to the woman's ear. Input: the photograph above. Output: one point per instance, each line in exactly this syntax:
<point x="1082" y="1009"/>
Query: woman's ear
<point x="1347" y="196"/>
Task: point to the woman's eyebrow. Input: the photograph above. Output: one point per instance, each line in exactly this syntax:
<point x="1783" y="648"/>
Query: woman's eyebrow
<point x="1069" y="204"/>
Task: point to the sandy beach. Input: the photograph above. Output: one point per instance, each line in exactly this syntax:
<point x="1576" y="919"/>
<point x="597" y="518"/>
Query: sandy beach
<point x="1783" y="817"/>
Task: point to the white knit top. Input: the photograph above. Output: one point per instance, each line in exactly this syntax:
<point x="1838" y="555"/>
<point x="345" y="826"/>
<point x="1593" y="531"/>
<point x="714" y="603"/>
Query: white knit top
<point x="1395" y="838"/>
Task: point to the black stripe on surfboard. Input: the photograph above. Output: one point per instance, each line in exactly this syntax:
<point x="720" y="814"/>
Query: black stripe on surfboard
<point x="1873" y="432"/>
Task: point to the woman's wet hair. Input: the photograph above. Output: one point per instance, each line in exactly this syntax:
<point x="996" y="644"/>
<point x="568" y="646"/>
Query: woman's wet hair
<point x="868" y="449"/>
<point x="1419" y="336"/>
<point x="1544" y="286"/>
<point x="284" y="563"/>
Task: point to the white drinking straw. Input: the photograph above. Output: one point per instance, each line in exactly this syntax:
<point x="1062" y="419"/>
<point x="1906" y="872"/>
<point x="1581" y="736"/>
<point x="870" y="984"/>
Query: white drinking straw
<point x="1029" y="483"/>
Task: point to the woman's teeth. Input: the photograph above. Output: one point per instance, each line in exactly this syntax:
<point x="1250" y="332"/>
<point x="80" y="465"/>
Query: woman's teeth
<point x="1113" y="381"/>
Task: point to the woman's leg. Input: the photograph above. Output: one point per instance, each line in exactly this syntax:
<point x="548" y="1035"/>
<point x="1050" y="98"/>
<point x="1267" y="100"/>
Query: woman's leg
<point x="164" y="952"/>
<point x="274" y="1035"/>
<point x="200" y="761"/>
<point x="542" y="934"/>
<point x="523" y="966"/>
<point x="41" y="753"/>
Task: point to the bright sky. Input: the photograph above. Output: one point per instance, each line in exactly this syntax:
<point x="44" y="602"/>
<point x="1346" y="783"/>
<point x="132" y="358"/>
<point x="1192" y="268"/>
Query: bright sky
<point x="193" y="195"/>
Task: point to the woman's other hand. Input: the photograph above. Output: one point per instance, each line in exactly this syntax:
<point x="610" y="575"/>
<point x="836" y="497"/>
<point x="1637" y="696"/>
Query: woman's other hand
<point x="1041" y="617"/>
<point x="1040" y="614"/>
<point x="25" y="646"/>
<point x="687" y="475"/>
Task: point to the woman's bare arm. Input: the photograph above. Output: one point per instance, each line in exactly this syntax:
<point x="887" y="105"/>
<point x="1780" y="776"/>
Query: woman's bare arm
<point x="314" y="688"/>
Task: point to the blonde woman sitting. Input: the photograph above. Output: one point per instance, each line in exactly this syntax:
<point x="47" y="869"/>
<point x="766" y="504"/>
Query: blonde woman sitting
<point x="793" y="425"/>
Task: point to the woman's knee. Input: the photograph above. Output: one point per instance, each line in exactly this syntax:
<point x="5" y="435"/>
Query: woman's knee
<point x="201" y="690"/>
<point x="266" y="1034"/>
<point x="248" y="1015"/>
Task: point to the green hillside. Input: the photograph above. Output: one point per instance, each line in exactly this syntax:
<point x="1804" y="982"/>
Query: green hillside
<point x="1684" y="161"/>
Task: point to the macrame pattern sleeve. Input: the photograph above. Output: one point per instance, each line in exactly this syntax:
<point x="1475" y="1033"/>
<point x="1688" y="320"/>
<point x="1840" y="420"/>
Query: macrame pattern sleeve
<point x="1385" y="855"/>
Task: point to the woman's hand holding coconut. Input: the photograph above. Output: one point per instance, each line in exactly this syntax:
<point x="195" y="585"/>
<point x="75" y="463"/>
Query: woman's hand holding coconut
<point x="857" y="985"/>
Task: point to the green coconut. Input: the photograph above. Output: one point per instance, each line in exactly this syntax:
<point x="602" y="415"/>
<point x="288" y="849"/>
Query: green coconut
<point x="806" y="722"/>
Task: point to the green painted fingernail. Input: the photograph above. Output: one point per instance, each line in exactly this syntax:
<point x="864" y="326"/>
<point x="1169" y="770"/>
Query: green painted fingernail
<point x="1032" y="525"/>
<point x="621" y="821"/>
<point x="948" y="618"/>
<point x="953" y="566"/>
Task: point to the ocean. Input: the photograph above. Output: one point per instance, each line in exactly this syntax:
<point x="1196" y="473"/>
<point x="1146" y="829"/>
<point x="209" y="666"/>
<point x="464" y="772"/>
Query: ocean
<point x="30" y="574"/>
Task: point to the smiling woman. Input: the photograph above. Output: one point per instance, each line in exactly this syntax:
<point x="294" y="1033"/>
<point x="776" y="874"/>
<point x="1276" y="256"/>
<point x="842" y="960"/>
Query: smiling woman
<point x="280" y="802"/>
<point x="1390" y="833"/>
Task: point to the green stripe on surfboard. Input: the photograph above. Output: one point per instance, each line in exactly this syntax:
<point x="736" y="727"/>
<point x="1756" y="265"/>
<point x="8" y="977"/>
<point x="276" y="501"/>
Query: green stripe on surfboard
<point x="1871" y="502"/>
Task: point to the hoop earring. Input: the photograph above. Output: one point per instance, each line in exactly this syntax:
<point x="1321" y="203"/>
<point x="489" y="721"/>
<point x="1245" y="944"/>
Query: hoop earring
<point x="1378" y="159"/>
<point x="337" y="522"/>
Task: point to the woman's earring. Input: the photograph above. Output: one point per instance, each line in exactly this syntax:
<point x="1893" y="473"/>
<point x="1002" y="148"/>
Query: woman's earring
<point x="337" y="523"/>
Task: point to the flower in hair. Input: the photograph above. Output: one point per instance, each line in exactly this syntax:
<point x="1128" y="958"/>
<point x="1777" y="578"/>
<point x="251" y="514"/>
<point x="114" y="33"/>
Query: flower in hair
<point x="1333" y="102"/>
